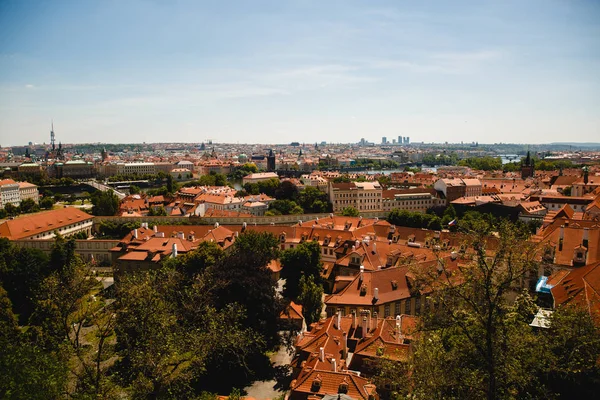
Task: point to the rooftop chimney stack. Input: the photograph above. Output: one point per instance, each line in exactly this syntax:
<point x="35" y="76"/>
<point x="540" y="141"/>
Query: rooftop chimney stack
<point x="339" y="320"/>
<point x="321" y="354"/>
<point x="376" y="294"/>
<point x="368" y="321"/>
<point x="345" y="344"/>
<point x="155" y="228"/>
<point x="135" y="233"/>
<point x="364" y="327"/>
<point x="333" y="365"/>
<point x="174" y="250"/>
<point x="374" y="247"/>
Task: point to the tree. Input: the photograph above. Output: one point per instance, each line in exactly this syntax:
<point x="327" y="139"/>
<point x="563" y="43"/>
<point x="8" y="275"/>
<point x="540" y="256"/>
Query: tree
<point x="243" y="278"/>
<point x="350" y="212"/>
<point x="105" y="203"/>
<point x="170" y="184"/>
<point x="28" y="206"/>
<point x="133" y="189"/>
<point x="312" y="200"/>
<point x="310" y="296"/>
<point x="11" y="209"/>
<point x="47" y="202"/>
<point x="303" y="260"/>
<point x="574" y="345"/>
<point x="174" y="342"/>
<point x="22" y="271"/>
<point x="286" y="191"/>
<point x="28" y="372"/>
<point x="475" y="344"/>
<point x="193" y="263"/>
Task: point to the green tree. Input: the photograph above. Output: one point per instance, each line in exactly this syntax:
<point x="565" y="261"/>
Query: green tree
<point x="170" y="184"/>
<point x="47" y="202"/>
<point x="28" y="372"/>
<point x="350" y="212"/>
<point x="243" y="278"/>
<point x="28" y="206"/>
<point x="286" y="191"/>
<point x="464" y="349"/>
<point x="303" y="260"/>
<point x="105" y="203"/>
<point x="573" y="341"/>
<point x="310" y="296"/>
<point x="133" y="189"/>
<point x="11" y="209"/>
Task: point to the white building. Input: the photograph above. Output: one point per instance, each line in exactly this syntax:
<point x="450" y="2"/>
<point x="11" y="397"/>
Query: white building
<point x="9" y="193"/>
<point x="29" y="191"/>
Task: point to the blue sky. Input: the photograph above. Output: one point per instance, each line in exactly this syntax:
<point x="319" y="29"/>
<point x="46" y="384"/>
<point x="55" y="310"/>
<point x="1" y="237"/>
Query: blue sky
<point x="281" y="71"/>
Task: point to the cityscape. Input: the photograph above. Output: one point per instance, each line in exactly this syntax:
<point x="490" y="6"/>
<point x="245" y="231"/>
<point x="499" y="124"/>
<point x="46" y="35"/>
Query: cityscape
<point x="299" y="201"/>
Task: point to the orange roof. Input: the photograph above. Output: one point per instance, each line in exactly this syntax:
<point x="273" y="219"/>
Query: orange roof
<point x="581" y="287"/>
<point x="47" y="221"/>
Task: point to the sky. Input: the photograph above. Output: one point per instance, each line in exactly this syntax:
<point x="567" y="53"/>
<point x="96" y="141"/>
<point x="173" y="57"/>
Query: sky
<point x="125" y="71"/>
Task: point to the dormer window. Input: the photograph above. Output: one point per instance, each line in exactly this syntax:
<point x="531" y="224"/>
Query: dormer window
<point x="282" y="237"/>
<point x="363" y="289"/>
<point x="394" y="285"/>
<point x="411" y="239"/>
<point x="395" y="238"/>
<point x="316" y="384"/>
<point x="343" y="388"/>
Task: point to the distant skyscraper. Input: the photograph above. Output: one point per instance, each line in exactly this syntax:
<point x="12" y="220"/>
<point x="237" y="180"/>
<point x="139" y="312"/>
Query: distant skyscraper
<point x="384" y="140"/>
<point x="400" y="140"/>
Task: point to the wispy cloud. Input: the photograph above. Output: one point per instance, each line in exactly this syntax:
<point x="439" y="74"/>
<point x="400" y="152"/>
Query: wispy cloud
<point x="443" y="63"/>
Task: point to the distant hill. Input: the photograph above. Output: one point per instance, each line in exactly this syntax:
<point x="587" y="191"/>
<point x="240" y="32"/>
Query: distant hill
<point x="576" y="144"/>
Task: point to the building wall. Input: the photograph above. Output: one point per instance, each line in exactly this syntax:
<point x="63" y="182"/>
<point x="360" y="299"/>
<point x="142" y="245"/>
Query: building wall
<point x="99" y="249"/>
<point x="10" y="194"/>
<point x="29" y="193"/>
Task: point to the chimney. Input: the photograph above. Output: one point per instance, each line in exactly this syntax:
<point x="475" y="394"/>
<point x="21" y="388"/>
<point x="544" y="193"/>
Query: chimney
<point x="586" y="232"/>
<point x="374" y="247"/>
<point x="181" y="235"/>
<point x="353" y="320"/>
<point x="174" y="250"/>
<point x="376" y="294"/>
<point x="135" y="234"/>
<point x="244" y="225"/>
<point x="357" y="243"/>
<point x="333" y="365"/>
<point x="368" y="321"/>
<point x="362" y="271"/>
<point x="345" y="344"/>
<point x="216" y="225"/>
<point x="339" y="320"/>
<point x="399" y="324"/>
<point x="561" y="234"/>
<point x="375" y="320"/>
<point x="364" y="327"/>
<point x="321" y="354"/>
<point x="155" y="228"/>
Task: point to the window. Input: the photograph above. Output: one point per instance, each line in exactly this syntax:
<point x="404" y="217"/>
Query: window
<point x="386" y="310"/>
<point x="407" y="306"/>
<point x="417" y="306"/>
<point x="397" y="308"/>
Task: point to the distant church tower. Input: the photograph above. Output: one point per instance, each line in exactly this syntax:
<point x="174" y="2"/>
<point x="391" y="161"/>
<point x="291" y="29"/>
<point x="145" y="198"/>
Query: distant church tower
<point x="527" y="167"/>
<point x="271" y="161"/>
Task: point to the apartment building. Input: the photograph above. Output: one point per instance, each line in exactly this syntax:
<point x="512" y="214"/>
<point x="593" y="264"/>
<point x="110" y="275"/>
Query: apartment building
<point x="9" y="193"/>
<point x="420" y="199"/>
<point x="364" y="196"/>
<point x="29" y="191"/>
